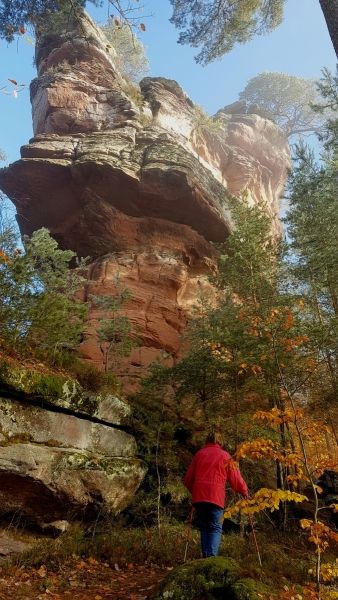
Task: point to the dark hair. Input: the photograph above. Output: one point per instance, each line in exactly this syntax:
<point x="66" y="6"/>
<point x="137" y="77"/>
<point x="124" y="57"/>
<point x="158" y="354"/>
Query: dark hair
<point x="214" y="437"/>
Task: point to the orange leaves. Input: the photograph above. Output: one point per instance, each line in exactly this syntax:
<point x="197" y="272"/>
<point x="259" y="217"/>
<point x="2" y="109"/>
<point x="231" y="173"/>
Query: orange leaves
<point x="4" y="258"/>
<point x="259" y="448"/>
<point x="254" y="369"/>
<point x="289" y="320"/>
<point x="264" y="499"/>
<point x="267" y="449"/>
<point x="319" y="534"/>
<point x="277" y="417"/>
<point x="314" y="431"/>
<point x="293" y="480"/>
<point x="295" y="342"/>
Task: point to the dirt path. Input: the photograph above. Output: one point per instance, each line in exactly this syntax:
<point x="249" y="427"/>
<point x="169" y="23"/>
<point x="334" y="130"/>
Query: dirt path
<point x="81" y="580"/>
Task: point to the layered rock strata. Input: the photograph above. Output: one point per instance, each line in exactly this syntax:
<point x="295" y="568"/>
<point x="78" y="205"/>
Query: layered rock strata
<point x="138" y="179"/>
<point x="58" y="459"/>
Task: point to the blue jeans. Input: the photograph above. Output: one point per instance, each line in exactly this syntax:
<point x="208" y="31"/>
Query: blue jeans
<point x="210" y="521"/>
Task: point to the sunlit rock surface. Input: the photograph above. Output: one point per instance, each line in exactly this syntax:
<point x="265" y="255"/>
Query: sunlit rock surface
<point x="128" y="176"/>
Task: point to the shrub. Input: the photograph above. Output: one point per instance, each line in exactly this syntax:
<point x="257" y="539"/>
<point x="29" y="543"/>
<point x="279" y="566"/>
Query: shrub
<point x="38" y="310"/>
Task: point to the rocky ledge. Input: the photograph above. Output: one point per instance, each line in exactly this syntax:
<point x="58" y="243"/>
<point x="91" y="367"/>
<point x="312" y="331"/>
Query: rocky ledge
<point x="64" y="452"/>
<point x="138" y="179"/>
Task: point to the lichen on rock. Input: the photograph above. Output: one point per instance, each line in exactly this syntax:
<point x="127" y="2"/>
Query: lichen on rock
<point x="59" y="390"/>
<point x="57" y="458"/>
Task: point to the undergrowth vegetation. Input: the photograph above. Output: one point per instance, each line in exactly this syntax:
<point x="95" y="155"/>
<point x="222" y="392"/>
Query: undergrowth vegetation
<point x="121" y="546"/>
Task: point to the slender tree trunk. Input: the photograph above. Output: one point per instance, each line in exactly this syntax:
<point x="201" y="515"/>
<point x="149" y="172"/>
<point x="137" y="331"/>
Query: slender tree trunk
<point x="330" y="10"/>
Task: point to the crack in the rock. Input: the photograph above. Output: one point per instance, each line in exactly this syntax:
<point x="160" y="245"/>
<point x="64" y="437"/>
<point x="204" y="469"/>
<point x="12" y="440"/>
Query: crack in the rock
<point x="37" y="401"/>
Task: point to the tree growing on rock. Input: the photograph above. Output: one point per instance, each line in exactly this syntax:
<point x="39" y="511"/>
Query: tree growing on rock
<point x="287" y="100"/>
<point x="131" y="58"/>
<point x="16" y="15"/>
<point x="114" y="328"/>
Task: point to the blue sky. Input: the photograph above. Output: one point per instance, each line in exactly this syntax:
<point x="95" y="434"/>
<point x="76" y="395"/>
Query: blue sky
<point x="301" y="46"/>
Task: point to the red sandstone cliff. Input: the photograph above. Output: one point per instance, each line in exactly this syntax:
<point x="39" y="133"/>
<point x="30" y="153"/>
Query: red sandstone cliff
<point x="119" y="174"/>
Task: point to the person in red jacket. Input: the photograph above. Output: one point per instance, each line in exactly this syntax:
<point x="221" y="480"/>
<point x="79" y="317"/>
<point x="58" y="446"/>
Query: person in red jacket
<point x="210" y="470"/>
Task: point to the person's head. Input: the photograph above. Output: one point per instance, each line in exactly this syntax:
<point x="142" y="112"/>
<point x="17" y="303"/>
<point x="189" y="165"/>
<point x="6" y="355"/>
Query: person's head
<point x="214" y="437"/>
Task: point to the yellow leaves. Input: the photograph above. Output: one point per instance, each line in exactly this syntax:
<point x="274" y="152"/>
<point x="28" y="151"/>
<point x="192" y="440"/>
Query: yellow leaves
<point x="334" y="507"/>
<point x="293" y="480"/>
<point x="263" y="448"/>
<point x="277" y="417"/>
<point x="329" y="572"/>
<point x="259" y="448"/>
<point x="305" y="523"/>
<point x="314" y="431"/>
<point x="264" y="499"/>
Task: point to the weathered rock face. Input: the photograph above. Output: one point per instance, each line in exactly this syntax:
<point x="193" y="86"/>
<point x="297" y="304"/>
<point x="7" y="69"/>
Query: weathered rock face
<point x="58" y="459"/>
<point x="131" y="178"/>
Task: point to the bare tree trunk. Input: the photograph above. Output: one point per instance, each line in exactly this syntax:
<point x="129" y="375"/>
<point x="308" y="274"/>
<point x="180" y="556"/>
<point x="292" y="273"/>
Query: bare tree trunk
<point x="330" y="10"/>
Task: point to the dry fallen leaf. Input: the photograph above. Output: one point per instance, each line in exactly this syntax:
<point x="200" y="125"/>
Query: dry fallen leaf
<point x="42" y="572"/>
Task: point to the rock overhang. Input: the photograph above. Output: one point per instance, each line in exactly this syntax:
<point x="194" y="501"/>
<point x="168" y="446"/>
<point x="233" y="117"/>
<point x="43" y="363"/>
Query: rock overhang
<point x="149" y="177"/>
<point x="131" y="176"/>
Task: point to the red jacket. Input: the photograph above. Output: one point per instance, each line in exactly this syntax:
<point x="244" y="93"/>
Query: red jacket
<point x="209" y="471"/>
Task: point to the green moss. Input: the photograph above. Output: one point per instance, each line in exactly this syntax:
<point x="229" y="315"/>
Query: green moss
<point x="55" y="388"/>
<point x="214" y="576"/>
<point x="248" y="589"/>
<point x="21" y="379"/>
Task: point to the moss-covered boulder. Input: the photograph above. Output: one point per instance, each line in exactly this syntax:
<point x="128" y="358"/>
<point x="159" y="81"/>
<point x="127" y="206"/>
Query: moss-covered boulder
<point x="63" y="453"/>
<point x="56" y="389"/>
<point x="216" y="578"/>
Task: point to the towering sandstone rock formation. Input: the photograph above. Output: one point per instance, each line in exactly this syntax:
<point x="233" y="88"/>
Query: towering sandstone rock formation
<point x="129" y="177"/>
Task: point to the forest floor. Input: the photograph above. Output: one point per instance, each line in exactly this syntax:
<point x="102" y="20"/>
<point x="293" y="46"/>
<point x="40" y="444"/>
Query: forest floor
<point x="84" y="579"/>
